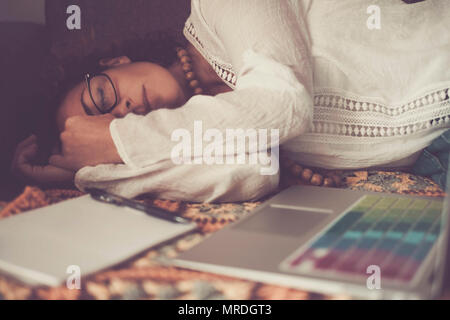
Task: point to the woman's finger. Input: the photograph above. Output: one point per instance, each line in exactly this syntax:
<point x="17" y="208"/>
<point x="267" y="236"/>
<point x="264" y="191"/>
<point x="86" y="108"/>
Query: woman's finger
<point x="21" y="155"/>
<point x="23" y="144"/>
<point x="27" y="153"/>
<point x="59" y="161"/>
<point x="26" y="143"/>
<point x="47" y="174"/>
<point x="22" y="164"/>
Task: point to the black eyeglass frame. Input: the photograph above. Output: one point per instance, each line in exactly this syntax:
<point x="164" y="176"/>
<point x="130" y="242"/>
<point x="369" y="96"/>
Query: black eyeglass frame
<point x="88" y="79"/>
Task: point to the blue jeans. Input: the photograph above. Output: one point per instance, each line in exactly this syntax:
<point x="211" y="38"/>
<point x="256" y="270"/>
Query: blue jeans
<point x="433" y="162"/>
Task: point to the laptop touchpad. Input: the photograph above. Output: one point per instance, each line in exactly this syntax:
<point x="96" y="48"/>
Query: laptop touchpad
<point x="285" y="222"/>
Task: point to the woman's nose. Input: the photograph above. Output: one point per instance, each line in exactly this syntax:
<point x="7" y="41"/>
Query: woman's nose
<point x="123" y="107"/>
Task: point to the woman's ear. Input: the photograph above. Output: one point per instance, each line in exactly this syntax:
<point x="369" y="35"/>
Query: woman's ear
<point x="114" y="62"/>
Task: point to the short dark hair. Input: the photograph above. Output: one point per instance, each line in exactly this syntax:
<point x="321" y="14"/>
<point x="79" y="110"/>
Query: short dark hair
<point x="63" y="76"/>
<point x="154" y="47"/>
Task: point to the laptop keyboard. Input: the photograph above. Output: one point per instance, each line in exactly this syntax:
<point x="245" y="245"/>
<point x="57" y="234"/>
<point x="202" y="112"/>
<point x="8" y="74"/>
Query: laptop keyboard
<point x="393" y="233"/>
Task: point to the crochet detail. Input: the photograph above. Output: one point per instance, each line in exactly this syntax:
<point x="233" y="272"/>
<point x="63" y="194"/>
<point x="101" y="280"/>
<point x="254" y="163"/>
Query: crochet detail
<point x="346" y="116"/>
<point x="224" y="72"/>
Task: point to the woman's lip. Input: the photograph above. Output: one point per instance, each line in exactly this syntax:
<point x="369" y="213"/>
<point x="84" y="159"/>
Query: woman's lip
<point x="146" y="101"/>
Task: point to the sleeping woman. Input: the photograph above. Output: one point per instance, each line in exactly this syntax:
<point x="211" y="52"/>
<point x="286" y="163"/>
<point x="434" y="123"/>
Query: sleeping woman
<point x="341" y="95"/>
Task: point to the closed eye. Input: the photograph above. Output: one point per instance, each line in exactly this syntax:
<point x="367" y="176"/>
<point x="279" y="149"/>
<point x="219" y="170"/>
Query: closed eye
<point x="102" y="97"/>
<point x="86" y="109"/>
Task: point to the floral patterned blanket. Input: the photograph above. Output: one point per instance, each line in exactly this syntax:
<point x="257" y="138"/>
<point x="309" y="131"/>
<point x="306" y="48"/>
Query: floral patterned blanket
<point x="146" y="277"/>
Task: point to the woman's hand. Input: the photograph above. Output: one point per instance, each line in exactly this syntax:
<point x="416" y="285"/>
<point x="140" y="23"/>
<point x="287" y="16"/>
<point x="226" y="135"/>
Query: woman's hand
<point x="22" y="166"/>
<point x="86" y="141"/>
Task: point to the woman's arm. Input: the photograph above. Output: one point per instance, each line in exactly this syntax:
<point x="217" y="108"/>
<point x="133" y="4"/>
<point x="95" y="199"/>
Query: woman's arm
<point x="269" y="55"/>
<point x="186" y="182"/>
<point x="268" y="48"/>
<point x="23" y="166"/>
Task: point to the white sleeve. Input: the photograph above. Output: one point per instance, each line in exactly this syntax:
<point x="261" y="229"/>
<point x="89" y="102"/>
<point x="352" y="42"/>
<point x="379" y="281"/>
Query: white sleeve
<point x="268" y="52"/>
<point x="186" y="182"/>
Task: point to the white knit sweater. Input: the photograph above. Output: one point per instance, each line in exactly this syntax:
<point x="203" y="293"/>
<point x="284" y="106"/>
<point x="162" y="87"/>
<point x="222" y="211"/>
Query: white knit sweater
<point x="341" y="95"/>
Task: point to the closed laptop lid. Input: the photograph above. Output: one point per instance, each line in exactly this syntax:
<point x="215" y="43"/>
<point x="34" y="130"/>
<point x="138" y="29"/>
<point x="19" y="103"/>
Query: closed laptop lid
<point x="39" y="246"/>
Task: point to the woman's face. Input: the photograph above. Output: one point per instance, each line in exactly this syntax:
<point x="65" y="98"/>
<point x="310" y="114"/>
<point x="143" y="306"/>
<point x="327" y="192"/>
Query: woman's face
<point x="140" y="88"/>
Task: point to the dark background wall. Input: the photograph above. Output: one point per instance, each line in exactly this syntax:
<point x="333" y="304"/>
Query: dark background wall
<point x="33" y="33"/>
<point x="106" y="21"/>
<point x="23" y="10"/>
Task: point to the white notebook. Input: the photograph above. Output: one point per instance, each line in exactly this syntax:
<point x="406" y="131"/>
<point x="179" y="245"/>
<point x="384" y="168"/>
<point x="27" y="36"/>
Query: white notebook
<point x="40" y="246"/>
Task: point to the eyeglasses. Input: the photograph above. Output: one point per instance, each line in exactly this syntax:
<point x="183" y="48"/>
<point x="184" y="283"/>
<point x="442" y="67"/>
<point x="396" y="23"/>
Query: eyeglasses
<point x="102" y="92"/>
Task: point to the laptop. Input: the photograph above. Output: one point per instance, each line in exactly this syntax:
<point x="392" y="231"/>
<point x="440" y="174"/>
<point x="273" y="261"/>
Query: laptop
<point x="45" y="246"/>
<point x="335" y="241"/>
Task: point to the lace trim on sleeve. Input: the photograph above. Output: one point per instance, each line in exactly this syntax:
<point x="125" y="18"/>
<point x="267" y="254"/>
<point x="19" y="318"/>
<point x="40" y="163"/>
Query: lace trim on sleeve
<point x="340" y="115"/>
<point x="224" y="71"/>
